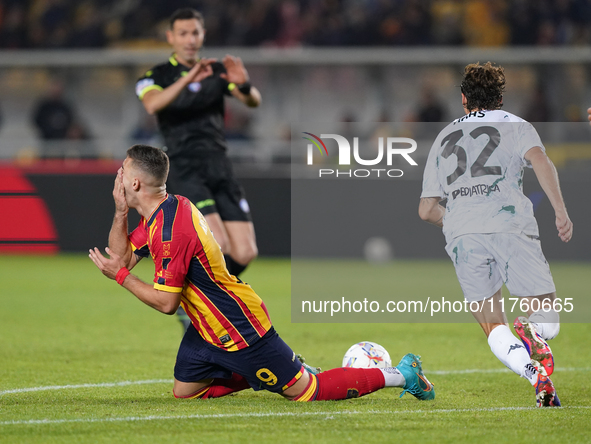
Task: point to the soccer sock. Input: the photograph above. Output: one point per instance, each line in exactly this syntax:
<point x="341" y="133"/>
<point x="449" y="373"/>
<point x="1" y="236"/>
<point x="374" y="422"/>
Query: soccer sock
<point x="511" y="352"/>
<point x="220" y="387"/>
<point x="393" y="377"/>
<point x="342" y="383"/>
<point x="234" y="267"/>
<point x="546" y="323"/>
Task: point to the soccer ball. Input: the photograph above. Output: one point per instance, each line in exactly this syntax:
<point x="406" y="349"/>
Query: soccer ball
<point x="367" y="355"/>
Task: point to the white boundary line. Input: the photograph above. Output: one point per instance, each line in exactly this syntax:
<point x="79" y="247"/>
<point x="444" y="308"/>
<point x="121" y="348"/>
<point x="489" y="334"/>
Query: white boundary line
<point x="103" y="384"/>
<point x="168" y="381"/>
<point x="274" y="414"/>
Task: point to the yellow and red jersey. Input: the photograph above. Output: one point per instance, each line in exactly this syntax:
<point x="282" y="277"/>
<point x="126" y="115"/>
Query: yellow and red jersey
<point x="225" y="311"/>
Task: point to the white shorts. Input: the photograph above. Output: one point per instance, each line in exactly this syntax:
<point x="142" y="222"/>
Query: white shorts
<point x="485" y="261"/>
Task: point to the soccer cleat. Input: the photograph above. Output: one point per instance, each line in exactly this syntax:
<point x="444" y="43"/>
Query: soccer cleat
<point x="545" y="393"/>
<point x="310" y="369"/>
<point x="416" y="383"/>
<point x="538" y="349"/>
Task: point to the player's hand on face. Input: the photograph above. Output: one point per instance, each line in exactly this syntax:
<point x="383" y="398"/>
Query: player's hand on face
<point x="201" y="70"/>
<point x="108" y="266"/>
<point x="119" y="193"/>
<point x="589" y="115"/>
<point x="564" y="226"/>
<point x="235" y="70"/>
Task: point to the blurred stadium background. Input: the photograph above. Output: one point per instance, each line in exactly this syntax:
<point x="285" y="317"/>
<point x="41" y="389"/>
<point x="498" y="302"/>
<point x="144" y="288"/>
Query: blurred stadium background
<point x="368" y="61"/>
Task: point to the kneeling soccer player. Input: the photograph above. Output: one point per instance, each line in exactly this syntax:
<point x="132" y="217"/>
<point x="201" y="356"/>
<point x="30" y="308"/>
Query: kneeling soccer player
<point x="232" y="344"/>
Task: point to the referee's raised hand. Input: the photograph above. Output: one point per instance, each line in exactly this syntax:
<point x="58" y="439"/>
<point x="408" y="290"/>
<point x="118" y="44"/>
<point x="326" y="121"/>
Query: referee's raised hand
<point x="200" y="70"/>
<point x="235" y="70"/>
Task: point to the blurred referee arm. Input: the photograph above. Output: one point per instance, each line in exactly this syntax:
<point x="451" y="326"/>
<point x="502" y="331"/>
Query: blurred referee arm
<point x="239" y="85"/>
<point x="548" y="179"/>
<point x="431" y="211"/>
<point x="155" y="100"/>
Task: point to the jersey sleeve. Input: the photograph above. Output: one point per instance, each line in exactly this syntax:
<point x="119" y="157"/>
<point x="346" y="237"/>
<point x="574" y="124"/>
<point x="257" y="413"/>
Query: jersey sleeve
<point x="431" y="185"/>
<point x="171" y="264"/>
<point x="528" y="138"/>
<point x="138" y="239"/>
<point x="151" y="80"/>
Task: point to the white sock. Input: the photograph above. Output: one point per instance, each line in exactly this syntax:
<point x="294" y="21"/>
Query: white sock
<point x="546" y="323"/>
<point x="393" y="377"/>
<point x="511" y="352"/>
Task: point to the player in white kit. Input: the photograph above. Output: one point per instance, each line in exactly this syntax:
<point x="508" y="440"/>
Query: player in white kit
<point x="476" y="163"/>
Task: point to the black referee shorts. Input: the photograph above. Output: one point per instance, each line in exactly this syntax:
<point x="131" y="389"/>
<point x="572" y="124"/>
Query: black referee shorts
<point x="208" y="181"/>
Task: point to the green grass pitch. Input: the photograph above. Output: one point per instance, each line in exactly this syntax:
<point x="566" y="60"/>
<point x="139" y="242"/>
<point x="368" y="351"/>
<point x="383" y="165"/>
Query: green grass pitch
<point x="81" y="360"/>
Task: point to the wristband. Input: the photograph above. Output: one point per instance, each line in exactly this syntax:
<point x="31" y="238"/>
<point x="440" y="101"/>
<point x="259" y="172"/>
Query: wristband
<point x="245" y="88"/>
<point x="121" y="275"/>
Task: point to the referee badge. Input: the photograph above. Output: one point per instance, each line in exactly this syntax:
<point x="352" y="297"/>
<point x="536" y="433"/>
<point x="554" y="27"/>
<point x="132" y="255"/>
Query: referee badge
<point x="244" y="205"/>
<point x="195" y="87"/>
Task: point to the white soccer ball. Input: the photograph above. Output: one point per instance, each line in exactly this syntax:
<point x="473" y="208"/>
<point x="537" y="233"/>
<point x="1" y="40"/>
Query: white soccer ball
<point x="367" y="355"/>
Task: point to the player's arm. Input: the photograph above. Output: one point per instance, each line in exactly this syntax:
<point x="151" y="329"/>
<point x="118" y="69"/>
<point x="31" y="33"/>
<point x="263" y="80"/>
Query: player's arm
<point x="548" y="178"/>
<point x="156" y="100"/>
<point x="430" y="210"/>
<point x="240" y="87"/>
<point x="118" y="241"/>
<point x="163" y="301"/>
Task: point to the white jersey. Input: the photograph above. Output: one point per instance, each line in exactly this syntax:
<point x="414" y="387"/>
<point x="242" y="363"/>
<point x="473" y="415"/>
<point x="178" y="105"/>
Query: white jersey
<point x="476" y="163"/>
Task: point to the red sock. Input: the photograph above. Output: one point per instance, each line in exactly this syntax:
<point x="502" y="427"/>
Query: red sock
<point x="342" y="383"/>
<point x="220" y="387"/>
<point x="223" y="387"/>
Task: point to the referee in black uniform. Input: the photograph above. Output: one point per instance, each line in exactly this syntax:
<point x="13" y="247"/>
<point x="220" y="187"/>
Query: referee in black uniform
<point x="187" y="95"/>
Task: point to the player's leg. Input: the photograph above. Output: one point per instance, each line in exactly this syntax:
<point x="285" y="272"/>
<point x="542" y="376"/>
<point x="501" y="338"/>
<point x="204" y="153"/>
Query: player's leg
<point x="507" y="348"/>
<point x="234" y="211"/>
<point x="219" y="231"/>
<point x="243" y="244"/>
<point x="542" y="315"/>
<point x="481" y="270"/>
<point x="540" y="325"/>
<point x="210" y="388"/>
<point x="195" y="375"/>
<point x="346" y="383"/>
<point x="504" y="345"/>
<point x="528" y="273"/>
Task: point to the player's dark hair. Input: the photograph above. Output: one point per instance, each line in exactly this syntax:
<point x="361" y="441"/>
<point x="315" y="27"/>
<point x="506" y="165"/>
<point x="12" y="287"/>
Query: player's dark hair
<point x="483" y="86"/>
<point x="151" y="160"/>
<point x="186" y="14"/>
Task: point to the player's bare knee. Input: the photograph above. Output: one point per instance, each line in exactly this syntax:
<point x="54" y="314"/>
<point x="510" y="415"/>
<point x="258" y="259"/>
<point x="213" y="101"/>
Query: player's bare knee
<point x="184" y="390"/>
<point x="293" y="392"/>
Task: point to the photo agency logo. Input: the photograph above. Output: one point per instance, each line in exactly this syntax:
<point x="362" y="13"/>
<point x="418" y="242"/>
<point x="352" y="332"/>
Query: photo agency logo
<point x="396" y="147"/>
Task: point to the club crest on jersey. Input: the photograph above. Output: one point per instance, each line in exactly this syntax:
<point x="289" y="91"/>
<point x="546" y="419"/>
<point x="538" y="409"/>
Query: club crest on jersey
<point x="195" y="87"/>
<point x="165" y="249"/>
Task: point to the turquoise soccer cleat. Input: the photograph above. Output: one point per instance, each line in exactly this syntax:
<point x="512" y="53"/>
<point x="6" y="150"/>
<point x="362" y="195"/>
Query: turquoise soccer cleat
<point x="416" y="382"/>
